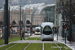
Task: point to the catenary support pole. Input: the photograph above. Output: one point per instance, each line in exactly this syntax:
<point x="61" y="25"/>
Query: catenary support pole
<point x="20" y="23"/>
<point x="63" y="20"/>
<point x="6" y="24"/>
<point x="70" y="24"/>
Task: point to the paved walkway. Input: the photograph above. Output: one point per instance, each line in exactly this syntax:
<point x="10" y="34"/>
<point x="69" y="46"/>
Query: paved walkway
<point x="60" y="39"/>
<point x="3" y="45"/>
<point x="33" y="41"/>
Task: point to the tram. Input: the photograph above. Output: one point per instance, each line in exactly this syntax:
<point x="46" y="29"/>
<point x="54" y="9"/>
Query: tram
<point x="37" y="30"/>
<point x="47" y="31"/>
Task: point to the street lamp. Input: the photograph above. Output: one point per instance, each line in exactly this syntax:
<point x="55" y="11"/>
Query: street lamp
<point x="20" y="23"/>
<point x="63" y="19"/>
<point x="6" y="23"/>
<point x="70" y="25"/>
<point x="64" y="27"/>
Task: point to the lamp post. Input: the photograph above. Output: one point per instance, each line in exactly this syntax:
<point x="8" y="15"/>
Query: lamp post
<point x="20" y="23"/>
<point x="63" y="19"/>
<point x="9" y="22"/>
<point x="70" y="24"/>
<point x="6" y="24"/>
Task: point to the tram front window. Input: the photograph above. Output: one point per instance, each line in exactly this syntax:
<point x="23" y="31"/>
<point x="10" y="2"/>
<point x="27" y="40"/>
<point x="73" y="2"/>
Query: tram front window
<point x="37" y="30"/>
<point x="47" y="30"/>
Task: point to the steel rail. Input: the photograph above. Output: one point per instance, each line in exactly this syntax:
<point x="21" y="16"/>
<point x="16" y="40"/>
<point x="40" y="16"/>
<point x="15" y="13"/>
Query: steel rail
<point x="58" y="46"/>
<point x="11" y="46"/>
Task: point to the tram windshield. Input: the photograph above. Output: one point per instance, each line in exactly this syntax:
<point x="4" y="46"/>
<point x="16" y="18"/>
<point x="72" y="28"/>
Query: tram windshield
<point x="47" y="30"/>
<point x="37" y="30"/>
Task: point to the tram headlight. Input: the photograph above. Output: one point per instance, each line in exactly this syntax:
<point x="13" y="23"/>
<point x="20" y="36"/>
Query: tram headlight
<point x="35" y="32"/>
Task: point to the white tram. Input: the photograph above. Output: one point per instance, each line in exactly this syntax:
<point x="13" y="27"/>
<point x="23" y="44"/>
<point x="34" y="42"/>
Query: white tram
<point x="37" y="30"/>
<point x="47" y="31"/>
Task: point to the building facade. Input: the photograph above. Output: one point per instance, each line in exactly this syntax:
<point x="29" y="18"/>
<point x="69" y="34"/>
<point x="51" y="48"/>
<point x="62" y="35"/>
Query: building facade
<point x="66" y="11"/>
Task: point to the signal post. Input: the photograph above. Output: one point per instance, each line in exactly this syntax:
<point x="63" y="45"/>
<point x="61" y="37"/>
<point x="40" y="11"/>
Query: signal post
<point x="65" y="26"/>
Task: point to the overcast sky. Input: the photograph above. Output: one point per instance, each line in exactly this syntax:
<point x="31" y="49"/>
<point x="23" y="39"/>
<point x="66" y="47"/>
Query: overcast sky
<point x="24" y="2"/>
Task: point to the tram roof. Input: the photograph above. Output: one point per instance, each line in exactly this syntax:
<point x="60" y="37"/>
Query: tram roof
<point x="47" y="23"/>
<point x="37" y="27"/>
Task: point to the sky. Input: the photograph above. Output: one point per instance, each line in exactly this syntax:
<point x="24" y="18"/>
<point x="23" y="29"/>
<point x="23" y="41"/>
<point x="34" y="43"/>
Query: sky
<point x="24" y="2"/>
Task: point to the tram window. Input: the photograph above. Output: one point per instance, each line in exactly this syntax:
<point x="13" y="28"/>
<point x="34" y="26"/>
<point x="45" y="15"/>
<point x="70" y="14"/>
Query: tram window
<point x="47" y="30"/>
<point x="37" y="30"/>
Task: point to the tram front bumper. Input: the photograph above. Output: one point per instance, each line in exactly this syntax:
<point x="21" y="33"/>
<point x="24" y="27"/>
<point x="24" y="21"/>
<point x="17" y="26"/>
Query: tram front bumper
<point x="47" y="37"/>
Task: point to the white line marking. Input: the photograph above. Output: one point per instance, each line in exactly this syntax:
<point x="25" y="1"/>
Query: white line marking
<point x="43" y="46"/>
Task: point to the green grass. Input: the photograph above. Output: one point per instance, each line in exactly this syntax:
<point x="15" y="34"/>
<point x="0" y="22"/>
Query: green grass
<point x="10" y="40"/>
<point x="50" y="46"/>
<point x="19" y="46"/>
<point x="38" y="38"/>
<point x="34" y="38"/>
<point x="64" y="47"/>
<point x="3" y="48"/>
<point x="14" y="39"/>
<point x="28" y="38"/>
<point x="1" y="41"/>
<point x="35" y="46"/>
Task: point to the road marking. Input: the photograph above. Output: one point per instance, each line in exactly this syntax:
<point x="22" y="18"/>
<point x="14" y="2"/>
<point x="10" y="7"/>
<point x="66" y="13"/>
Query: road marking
<point x="43" y="46"/>
<point x="3" y="45"/>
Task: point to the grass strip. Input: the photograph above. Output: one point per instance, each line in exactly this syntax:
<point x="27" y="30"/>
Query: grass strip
<point x="14" y="39"/>
<point x="3" y="48"/>
<point x="50" y="46"/>
<point x="1" y="41"/>
<point x="19" y="46"/>
<point x="34" y="38"/>
<point x="10" y="40"/>
<point x="63" y="46"/>
<point x="35" y="46"/>
<point x="28" y="38"/>
<point x="38" y="38"/>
